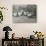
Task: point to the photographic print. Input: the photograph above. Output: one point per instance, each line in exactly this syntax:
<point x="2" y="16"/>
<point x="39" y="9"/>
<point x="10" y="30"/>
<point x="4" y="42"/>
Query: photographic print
<point x="24" y="13"/>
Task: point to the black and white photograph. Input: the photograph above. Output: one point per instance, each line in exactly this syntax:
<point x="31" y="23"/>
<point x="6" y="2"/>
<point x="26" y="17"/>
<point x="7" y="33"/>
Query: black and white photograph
<point x="24" y="13"/>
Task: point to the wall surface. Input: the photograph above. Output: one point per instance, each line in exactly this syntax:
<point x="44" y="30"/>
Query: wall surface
<point x="23" y="29"/>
